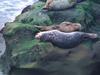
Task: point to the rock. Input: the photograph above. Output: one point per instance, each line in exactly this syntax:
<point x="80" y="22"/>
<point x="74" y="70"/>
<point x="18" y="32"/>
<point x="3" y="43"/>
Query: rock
<point x="34" y="17"/>
<point x="78" y="1"/>
<point x="95" y="11"/>
<point x="95" y="1"/>
<point x="23" y="51"/>
<point x="59" y="62"/>
<point x="4" y="57"/>
<point x="26" y="71"/>
<point x="29" y="7"/>
<point x="83" y="17"/>
<point x="43" y="0"/>
<point x="96" y="48"/>
<point x="96" y="22"/>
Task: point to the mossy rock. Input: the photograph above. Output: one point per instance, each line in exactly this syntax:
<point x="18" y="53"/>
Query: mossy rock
<point x="35" y="16"/>
<point x="96" y="1"/>
<point x="96" y="21"/>
<point x="43" y="0"/>
<point x="26" y="52"/>
<point x="80" y="13"/>
<point x="77" y="63"/>
<point x="12" y="28"/>
<point x="55" y="60"/>
<point x="31" y="56"/>
<point x="36" y="5"/>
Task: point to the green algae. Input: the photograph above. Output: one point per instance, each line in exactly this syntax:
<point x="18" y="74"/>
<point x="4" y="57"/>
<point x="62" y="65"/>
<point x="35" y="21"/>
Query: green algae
<point x="26" y="52"/>
<point x="13" y="27"/>
<point x="35" y="17"/>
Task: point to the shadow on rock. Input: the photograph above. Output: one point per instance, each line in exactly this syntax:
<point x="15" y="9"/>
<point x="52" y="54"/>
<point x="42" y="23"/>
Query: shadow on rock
<point x="27" y="71"/>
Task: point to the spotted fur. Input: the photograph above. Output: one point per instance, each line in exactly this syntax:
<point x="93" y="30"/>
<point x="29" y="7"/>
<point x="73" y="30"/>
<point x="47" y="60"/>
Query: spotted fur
<point x="65" y="40"/>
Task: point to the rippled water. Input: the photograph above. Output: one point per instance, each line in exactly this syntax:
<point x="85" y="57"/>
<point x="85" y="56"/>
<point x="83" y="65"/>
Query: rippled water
<point x="9" y="9"/>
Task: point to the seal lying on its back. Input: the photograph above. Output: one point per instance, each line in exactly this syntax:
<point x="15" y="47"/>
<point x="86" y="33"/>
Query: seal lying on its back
<point x="64" y="27"/>
<point x="64" y="40"/>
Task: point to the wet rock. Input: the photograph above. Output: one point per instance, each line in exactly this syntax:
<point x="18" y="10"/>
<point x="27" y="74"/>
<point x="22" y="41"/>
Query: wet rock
<point x="26" y="71"/>
<point x="78" y="1"/>
<point x="83" y="17"/>
<point x="4" y="57"/>
<point x="23" y="51"/>
<point x="35" y="16"/>
<point x="96" y="48"/>
<point x="43" y="0"/>
<point x="29" y="7"/>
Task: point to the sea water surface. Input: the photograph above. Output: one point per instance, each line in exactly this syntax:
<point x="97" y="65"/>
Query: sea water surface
<point x="9" y="9"/>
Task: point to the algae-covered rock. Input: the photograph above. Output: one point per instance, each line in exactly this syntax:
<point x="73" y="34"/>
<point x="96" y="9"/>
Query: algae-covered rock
<point x="76" y="63"/>
<point x="14" y="27"/>
<point x="96" y="48"/>
<point x="43" y="0"/>
<point x="4" y="57"/>
<point x="28" y="8"/>
<point x="83" y="16"/>
<point x="35" y="16"/>
<point x="96" y="22"/>
<point x="23" y="52"/>
<point x="96" y="1"/>
<point x="55" y="61"/>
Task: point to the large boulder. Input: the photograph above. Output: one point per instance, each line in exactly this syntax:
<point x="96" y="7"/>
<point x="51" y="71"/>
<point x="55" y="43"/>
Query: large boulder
<point x="4" y="57"/>
<point x="25" y="55"/>
<point x="80" y="13"/>
<point x="35" y="16"/>
<point x="95" y="26"/>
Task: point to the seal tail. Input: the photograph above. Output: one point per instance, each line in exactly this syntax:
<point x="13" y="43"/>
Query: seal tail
<point x="92" y="35"/>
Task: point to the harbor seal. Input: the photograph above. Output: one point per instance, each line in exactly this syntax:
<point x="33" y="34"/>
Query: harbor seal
<point x="64" y="27"/>
<point x="59" y="4"/>
<point x="64" y="40"/>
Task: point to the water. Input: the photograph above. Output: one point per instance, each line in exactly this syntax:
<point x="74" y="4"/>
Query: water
<point x="9" y="9"/>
